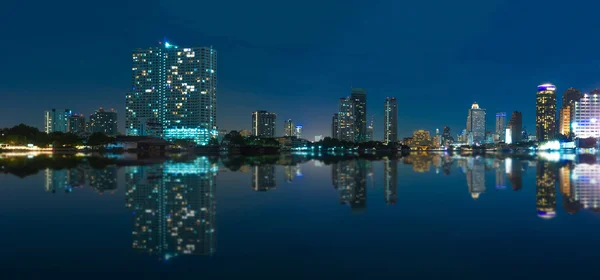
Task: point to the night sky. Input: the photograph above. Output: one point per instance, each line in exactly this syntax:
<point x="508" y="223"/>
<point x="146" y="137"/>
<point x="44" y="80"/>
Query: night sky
<point x="297" y="58"/>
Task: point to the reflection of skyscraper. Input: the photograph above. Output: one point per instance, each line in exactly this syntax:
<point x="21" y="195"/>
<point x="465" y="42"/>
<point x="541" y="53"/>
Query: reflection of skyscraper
<point x="586" y="187"/>
<point x="173" y="207"/>
<point x="350" y="179"/>
<point x="65" y="179"/>
<point x="476" y="176"/>
<point x="390" y="181"/>
<point x="288" y="173"/>
<point x="570" y="205"/>
<point x="500" y="173"/>
<point x="103" y="179"/>
<point x="514" y="128"/>
<point x="390" y="120"/>
<point x="514" y="173"/>
<point x="545" y="190"/>
<point x="263" y="178"/>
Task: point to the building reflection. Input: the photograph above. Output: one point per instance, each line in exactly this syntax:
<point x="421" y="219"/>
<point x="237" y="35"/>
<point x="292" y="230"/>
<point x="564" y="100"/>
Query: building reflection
<point x="291" y="171"/>
<point x="514" y="173"/>
<point x="263" y="177"/>
<point x="586" y="188"/>
<point x="390" y="181"/>
<point x="476" y="176"/>
<point x="173" y="208"/>
<point x="103" y="180"/>
<point x="500" y="167"/>
<point x="570" y="204"/>
<point x="349" y="178"/>
<point x="545" y="179"/>
<point x="70" y="179"/>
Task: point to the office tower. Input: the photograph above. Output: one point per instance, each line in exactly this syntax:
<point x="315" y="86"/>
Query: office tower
<point x="447" y="139"/>
<point x="263" y="124"/>
<point x="173" y="208"/>
<point x="476" y="176"/>
<point x="288" y="128"/>
<point x="104" y="122"/>
<point x="263" y="178"/>
<point x="501" y="126"/>
<point x="298" y="131"/>
<point x="546" y="190"/>
<point x="77" y="124"/>
<point x="173" y="93"/>
<point x="585" y="185"/>
<point x="570" y="96"/>
<point x="390" y="120"/>
<point x="57" y="120"/>
<point x="545" y="116"/>
<point x="476" y="125"/>
<point x="370" y="130"/>
<point x="586" y="117"/>
<point x="514" y="127"/>
<point x="334" y="126"/>
<point x="346" y="121"/>
<point x="359" y="100"/>
<point x="390" y="181"/>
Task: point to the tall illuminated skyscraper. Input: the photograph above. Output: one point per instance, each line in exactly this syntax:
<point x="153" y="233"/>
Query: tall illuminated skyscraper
<point x="57" y="120"/>
<point x="173" y="93"/>
<point x="263" y="124"/>
<point x="501" y="126"/>
<point x="359" y="100"/>
<point x="545" y="117"/>
<point x="390" y="120"/>
<point x="570" y="96"/>
<point x="346" y="121"/>
<point x="586" y="117"/>
<point x="476" y="124"/>
<point x="288" y="128"/>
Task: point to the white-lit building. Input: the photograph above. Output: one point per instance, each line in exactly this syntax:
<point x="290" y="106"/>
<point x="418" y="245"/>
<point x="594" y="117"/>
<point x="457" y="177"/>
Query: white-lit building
<point x="57" y="120"/>
<point x="586" y="119"/>
<point x="173" y="92"/>
<point x="263" y="123"/>
<point x="476" y="124"/>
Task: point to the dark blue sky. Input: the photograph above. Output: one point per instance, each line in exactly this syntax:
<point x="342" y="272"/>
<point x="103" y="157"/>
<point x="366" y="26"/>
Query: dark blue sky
<point x="297" y="58"/>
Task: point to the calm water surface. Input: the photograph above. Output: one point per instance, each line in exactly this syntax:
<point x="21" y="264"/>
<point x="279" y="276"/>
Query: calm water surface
<point x="418" y="217"/>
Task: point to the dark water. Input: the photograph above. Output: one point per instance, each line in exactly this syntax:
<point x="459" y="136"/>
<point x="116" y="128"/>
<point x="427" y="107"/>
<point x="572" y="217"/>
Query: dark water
<point x="418" y="217"/>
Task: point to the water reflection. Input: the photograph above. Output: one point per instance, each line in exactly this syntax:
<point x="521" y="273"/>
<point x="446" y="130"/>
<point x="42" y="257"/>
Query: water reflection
<point x="263" y="178"/>
<point x="546" y="175"/>
<point x="350" y="180"/>
<point x="173" y="208"/>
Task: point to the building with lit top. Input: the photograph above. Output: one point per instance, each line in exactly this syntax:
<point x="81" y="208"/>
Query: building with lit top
<point x="298" y="131"/>
<point x="570" y="96"/>
<point x="545" y="117"/>
<point x="263" y="124"/>
<point x="57" y="120"/>
<point x="173" y="93"/>
<point x="586" y="117"/>
<point x="476" y="125"/>
<point x="500" y="127"/>
<point x="104" y="121"/>
<point x="390" y="120"/>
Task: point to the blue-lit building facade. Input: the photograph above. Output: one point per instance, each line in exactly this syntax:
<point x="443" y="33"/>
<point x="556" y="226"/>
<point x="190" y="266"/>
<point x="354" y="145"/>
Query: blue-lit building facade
<point x="57" y="120"/>
<point x="173" y="94"/>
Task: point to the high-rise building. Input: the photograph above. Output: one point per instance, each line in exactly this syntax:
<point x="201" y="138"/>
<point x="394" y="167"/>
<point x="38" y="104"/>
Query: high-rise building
<point x="567" y="111"/>
<point x="390" y="120"/>
<point x="476" y="125"/>
<point x="447" y="139"/>
<point x="586" y="117"/>
<point x="514" y="127"/>
<point x="57" y="120"/>
<point x="501" y="126"/>
<point x="104" y="122"/>
<point x="263" y="124"/>
<point x="359" y="100"/>
<point x="335" y="132"/>
<point x="298" y="131"/>
<point x="288" y="128"/>
<point x="173" y="94"/>
<point x="346" y="121"/>
<point x="77" y="124"/>
<point x="546" y="176"/>
<point x="370" y="130"/>
<point x="545" y="117"/>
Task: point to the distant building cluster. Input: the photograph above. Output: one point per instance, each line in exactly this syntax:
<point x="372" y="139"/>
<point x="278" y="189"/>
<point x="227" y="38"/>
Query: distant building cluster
<point x="65" y="121"/>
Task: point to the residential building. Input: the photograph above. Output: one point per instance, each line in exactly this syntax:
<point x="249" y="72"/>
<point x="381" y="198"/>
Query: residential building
<point x="476" y="125"/>
<point x="77" y="124"/>
<point x="288" y="128"/>
<point x="566" y="115"/>
<point x="263" y="123"/>
<point x="173" y="93"/>
<point x="57" y="120"/>
<point x="421" y="139"/>
<point x="586" y="118"/>
<point x="390" y="120"/>
<point x="359" y="100"/>
<point x="370" y="131"/>
<point x="501" y="126"/>
<point x="298" y="131"/>
<point x="104" y="122"/>
<point x="545" y="119"/>
<point x="346" y="121"/>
